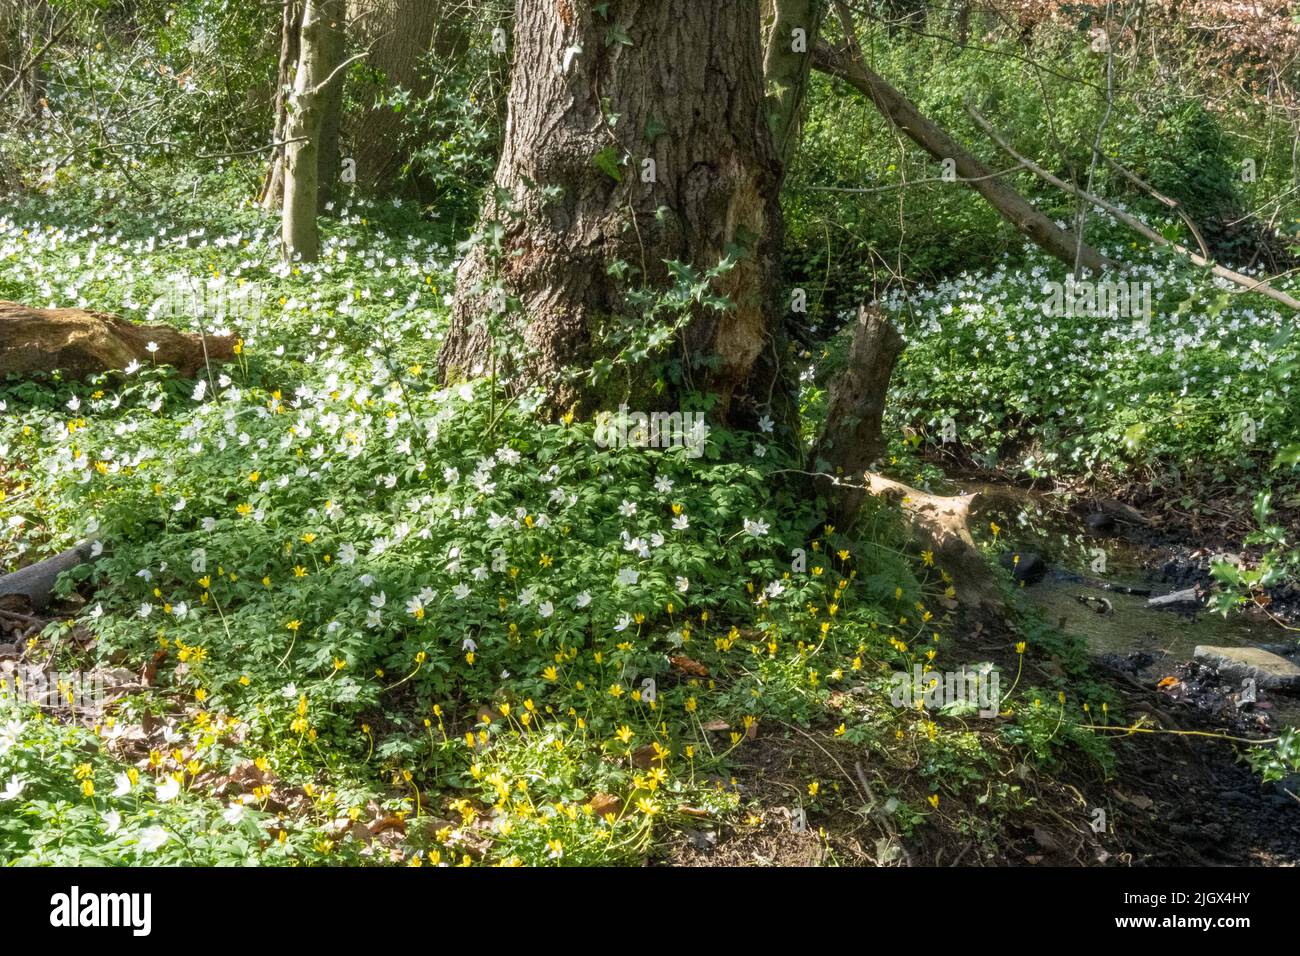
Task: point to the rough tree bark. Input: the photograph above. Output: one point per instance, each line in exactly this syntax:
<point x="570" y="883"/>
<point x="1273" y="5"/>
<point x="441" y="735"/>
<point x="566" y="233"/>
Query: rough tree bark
<point x="299" y="231"/>
<point x="334" y="41"/>
<point x="398" y="33"/>
<point x="684" y="80"/>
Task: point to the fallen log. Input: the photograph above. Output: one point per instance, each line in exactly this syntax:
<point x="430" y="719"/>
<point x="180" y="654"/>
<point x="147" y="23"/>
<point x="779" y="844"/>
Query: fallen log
<point x="1188" y="599"/>
<point x="1247" y="283"/>
<point x="849" y="66"/>
<point x="80" y="343"/>
<point x="33" y="586"/>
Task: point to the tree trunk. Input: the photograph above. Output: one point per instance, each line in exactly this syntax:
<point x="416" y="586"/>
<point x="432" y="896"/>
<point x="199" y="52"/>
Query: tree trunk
<point x="398" y="34"/>
<point x="290" y="28"/>
<point x="851" y="442"/>
<point x="791" y="28"/>
<point x="299" y="233"/>
<point x="334" y="40"/>
<point x="681" y="84"/>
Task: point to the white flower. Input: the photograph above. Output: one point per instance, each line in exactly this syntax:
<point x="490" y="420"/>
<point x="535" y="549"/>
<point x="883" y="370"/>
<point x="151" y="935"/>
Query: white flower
<point x="460" y="591"/>
<point x="681" y="522"/>
<point x="146" y="609"/>
<point x="347" y="553"/>
<point x="628" y="576"/>
<point x="152" y="838"/>
<point x="200" y="390"/>
<point x="151" y="347"/>
<point x="546" y="609"/>
<point x="623" y="622"/>
<point x="13" y="788"/>
<point x="757" y="528"/>
<point x="627" y="509"/>
<point x="583" y="599"/>
<point x="233" y="813"/>
<point x="683" y="584"/>
<point x="765" y="424"/>
<point x="468" y="645"/>
<point x="112" y="822"/>
<point x="663" y="485"/>
<point x="123" y="783"/>
<point x="168" y="790"/>
<point x="374" y="619"/>
<point x="378" y="600"/>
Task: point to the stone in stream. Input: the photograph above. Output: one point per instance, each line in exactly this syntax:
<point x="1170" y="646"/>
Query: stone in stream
<point x="1268" y="670"/>
<point x="1188" y="599"/>
<point x="1026" y="566"/>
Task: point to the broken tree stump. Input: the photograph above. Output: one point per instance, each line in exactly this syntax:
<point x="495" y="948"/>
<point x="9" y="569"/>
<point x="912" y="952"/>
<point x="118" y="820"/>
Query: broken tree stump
<point x="851" y="442"/>
<point x="80" y="343"/>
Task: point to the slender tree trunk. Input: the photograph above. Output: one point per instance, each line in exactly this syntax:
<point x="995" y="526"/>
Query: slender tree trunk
<point x="791" y="28"/>
<point x="334" y="40"/>
<point x="290" y="28"/>
<point x="299" y="233"/>
<point x="672" y="91"/>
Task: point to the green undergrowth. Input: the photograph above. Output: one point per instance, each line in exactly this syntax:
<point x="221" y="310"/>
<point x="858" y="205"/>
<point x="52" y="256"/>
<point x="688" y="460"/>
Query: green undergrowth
<point x="345" y="614"/>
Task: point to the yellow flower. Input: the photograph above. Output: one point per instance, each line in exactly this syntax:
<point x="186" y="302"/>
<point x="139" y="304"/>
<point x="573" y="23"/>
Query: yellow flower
<point x="813" y="788"/>
<point x="625" y="733"/>
<point x="933" y="800"/>
<point x="294" y="625"/>
<point x="244" y="509"/>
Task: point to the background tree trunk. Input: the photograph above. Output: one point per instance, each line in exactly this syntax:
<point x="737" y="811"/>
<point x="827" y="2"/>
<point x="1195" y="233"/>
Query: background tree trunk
<point x="685" y="80"/>
<point x="787" y="64"/>
<point x="334" y="40"/>
<point x="399" y="33"/>
<point x="300" y="235"/>
<point x="290" y="28"/>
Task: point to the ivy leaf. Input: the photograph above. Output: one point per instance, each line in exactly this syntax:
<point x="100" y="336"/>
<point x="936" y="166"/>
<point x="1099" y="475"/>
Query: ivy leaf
<point x="653" y="128"/>
<point x="1288" y="456"/>
<point x="607" y="162"/>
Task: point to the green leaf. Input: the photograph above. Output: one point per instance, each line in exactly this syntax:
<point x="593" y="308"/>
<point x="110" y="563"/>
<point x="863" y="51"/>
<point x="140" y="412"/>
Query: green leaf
<point x="607" y="162"/>
<point x="1288" y="457"/>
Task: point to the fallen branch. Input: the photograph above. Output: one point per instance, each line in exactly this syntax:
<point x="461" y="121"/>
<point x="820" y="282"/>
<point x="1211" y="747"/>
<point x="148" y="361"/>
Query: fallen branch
<point x="849" y="66"/>
<point x="1141" y="228"/>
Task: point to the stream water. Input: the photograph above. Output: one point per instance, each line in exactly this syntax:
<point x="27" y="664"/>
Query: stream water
<point x="1085" y="569"/>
